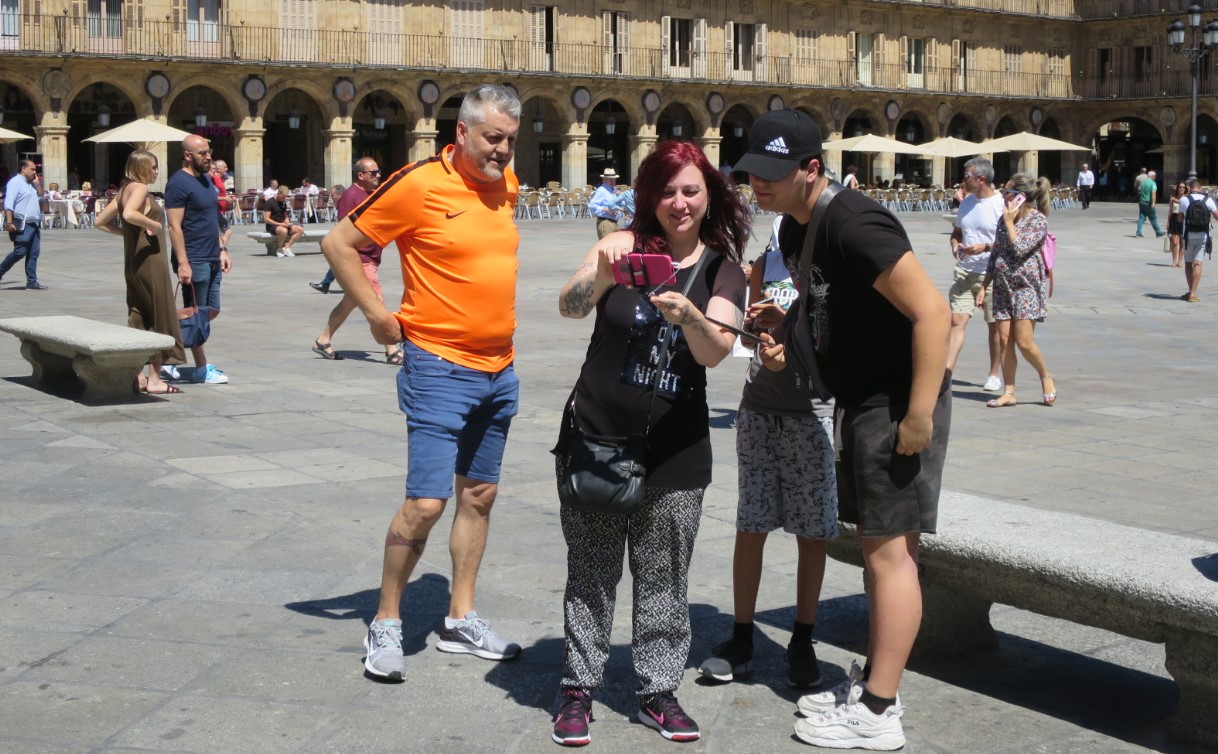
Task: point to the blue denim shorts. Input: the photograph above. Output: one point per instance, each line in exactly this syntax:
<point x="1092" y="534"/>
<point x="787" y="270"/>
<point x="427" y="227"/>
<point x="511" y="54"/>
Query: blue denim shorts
<point x="457" y="421"/>
<point x="205" y="280"/>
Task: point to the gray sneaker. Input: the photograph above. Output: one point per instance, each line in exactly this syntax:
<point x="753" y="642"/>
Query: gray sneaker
<point x="384" y="646"/>
<point x="472" y="635"/>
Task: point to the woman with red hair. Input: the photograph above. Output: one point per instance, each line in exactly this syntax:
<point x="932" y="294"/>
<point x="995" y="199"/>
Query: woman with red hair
<point x="685" y="210"/>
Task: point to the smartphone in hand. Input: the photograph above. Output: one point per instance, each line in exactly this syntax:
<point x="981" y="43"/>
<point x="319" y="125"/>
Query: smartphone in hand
<point x="643" y="270"/>
<point x="1017" y="202"/>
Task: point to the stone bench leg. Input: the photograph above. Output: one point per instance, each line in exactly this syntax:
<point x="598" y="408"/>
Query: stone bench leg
<point x="108" y="377"/>
<point x="1192" y="659"/>
<point x="953" y="623"/>
<point x="49" y="368"/>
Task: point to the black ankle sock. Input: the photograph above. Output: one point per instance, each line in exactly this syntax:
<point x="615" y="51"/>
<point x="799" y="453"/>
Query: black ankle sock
<point x="877" y="704"/>
<point x="743" y="632"/>
<point x="802" y="632"/>
<point x="866" y="672"/>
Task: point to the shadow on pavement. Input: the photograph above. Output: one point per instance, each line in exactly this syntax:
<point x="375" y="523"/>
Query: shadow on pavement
<point x="1207" y="566"/>
<point x="1086" y="691"/>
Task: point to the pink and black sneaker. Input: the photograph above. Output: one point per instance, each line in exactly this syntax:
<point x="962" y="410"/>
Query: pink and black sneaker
<point x="663" y="712"/>
<point x="571" y="722"/>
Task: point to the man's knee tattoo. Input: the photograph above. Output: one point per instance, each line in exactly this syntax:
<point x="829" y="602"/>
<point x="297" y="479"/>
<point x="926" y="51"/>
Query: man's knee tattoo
<point x="393" y="539"/>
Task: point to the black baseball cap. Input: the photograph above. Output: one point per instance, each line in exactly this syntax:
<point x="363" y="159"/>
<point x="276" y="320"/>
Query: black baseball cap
<point x="778" y="142"/>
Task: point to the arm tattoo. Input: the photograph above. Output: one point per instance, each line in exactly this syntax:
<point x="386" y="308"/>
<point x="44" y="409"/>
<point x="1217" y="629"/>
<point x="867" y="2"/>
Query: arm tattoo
<point x="579" y="299"/>
<point x="393" y="539"/>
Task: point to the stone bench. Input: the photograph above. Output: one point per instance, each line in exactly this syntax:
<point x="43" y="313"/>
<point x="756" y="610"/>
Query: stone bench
<point x="105" y="357"/>
<point x="1147" y="585"/>
<point x="270" y="241"/>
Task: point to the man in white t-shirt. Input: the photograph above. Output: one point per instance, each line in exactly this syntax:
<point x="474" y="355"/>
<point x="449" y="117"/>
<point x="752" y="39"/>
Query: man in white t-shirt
<point x="972" y="241"/>
<point x="1196" y="236"/>
<point x="1086" y="180"/>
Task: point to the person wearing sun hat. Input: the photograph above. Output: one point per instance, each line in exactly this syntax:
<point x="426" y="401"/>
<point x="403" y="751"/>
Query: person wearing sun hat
<point x="601" y="205"/>
<point x="884" y="331"/>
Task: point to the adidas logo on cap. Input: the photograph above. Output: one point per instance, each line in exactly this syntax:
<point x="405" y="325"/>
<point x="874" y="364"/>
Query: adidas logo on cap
<point x="778" y="145"/>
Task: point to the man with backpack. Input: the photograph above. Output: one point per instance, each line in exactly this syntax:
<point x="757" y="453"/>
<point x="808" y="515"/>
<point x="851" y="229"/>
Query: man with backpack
<point x="1198" y="209"/>
<point x="882" y="330"/>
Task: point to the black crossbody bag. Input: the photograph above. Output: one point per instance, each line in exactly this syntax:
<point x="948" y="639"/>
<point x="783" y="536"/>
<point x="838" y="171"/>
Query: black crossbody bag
<point x="803" y="340"/>
<point x="602" y="474"/>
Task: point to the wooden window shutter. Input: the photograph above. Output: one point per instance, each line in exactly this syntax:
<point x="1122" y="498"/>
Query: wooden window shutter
<point x="761" y="50"/>
<point x="666" y="42"/>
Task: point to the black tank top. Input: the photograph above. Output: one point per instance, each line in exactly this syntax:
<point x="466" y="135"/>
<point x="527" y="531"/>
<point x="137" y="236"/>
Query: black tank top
<point x="614" y="388"/>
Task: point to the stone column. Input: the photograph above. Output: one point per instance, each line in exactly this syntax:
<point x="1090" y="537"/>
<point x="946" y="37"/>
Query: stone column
<point x="1175" y="165"/>
<point x="247" y="155"/>
<point x="883" y="164"/>
<point x="338" y="153"/>
<point x="575" y="156"/>
<point x="424" y="144"/>
<point x="833" y="160"/>
<point x="1029" y="162"/>
<point x="710" y="144"/>
<point x="938" y="172"/>
<point x="641" y="145"/>
<point x="52" y="138"/>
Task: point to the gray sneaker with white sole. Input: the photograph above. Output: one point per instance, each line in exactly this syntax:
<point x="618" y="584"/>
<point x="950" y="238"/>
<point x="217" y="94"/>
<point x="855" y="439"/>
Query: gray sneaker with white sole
<point x="474" y="636"/>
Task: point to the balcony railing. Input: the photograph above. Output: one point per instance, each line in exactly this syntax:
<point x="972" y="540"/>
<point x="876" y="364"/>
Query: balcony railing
<point x="1090" y="10"/>
<point x="243" y="44"/>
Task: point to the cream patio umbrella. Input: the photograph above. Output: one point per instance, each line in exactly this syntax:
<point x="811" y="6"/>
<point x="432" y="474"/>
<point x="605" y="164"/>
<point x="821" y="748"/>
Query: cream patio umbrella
<point x="870" y="143"/>
<point x="7" y="136"/>
<point x="950" y="146"/>
<point x="1026" y="141"/>
<point x="140" y="134"/>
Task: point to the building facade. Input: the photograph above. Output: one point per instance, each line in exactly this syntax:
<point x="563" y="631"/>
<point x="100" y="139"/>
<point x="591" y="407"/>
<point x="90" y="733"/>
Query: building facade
<point x="299" y="88"/>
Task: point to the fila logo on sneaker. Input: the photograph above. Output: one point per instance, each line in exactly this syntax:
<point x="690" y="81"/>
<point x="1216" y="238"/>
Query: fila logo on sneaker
<point x="778" y="145"/>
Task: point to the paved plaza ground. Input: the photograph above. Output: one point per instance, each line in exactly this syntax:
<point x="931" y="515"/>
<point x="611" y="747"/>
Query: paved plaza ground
<point x="195" y="573"/>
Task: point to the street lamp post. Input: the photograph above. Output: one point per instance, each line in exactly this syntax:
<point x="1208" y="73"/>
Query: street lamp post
<point x="1193" y="54"/>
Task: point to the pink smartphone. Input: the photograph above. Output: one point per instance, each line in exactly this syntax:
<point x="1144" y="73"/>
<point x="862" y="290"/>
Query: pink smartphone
<point x="1017" y="202"/>
<point x="642" y="270"/>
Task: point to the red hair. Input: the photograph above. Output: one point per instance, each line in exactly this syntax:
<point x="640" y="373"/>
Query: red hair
<point x="724" y="228"/>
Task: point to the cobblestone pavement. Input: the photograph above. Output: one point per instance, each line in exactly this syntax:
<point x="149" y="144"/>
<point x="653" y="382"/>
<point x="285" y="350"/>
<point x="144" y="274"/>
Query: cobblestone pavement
<point x="194" y="574"/>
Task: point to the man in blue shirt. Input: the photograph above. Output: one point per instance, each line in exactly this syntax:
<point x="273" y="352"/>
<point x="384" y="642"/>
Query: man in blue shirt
<point x="199" y="259"/>
<point x="600" y="206"/>
<point x="23" y="221"/>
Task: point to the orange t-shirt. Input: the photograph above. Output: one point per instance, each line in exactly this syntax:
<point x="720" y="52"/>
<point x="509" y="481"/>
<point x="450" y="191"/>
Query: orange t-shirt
<point x="457" y="241"/>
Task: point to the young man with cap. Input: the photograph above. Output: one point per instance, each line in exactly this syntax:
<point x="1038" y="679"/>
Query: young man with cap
<point x="601" y="205"/>
<point x="885" y="339"/>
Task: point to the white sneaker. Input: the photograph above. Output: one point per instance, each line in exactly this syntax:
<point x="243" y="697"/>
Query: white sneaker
<point x="280" y="253"/>
<point x="288" y="252"/>
<point x="827" y="701"/>
<point x="170" y="373"/>
<point x="854" y="726"/>
<point x="993" y="384"/>
<point x="210" y="376"/>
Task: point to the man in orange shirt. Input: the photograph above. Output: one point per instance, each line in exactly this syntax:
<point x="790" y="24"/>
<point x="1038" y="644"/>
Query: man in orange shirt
<point x="452" y="218"/>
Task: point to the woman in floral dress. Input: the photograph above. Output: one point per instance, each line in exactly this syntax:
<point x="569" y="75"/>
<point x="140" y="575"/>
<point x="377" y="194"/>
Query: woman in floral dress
<point x="1021" y="281"/>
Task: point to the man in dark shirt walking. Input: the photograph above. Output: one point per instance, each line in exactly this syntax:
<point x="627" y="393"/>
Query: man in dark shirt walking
<point x="367" y="178"/>
<point x="199" y="259"/>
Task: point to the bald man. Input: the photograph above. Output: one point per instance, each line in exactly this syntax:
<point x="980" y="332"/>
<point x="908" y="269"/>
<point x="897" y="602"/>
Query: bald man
<point x="199" y="257"/>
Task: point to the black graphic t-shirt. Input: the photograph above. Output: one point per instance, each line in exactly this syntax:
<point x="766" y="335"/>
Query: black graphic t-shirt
<point x="866" y="343"/>
<point x="614" y="388"/>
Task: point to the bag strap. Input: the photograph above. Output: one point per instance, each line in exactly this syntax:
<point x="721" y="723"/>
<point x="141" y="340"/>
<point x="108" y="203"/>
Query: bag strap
<point x="830" y="190"/>
<point x="665" y="333"/>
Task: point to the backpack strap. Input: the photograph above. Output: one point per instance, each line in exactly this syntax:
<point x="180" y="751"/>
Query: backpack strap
<point x="831" y="189"/>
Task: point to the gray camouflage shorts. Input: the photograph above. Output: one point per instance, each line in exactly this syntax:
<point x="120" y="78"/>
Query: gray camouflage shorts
<point x="786" y="475"/>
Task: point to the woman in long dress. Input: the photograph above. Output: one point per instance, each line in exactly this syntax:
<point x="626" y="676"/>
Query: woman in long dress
<point x="150" y="296"/>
